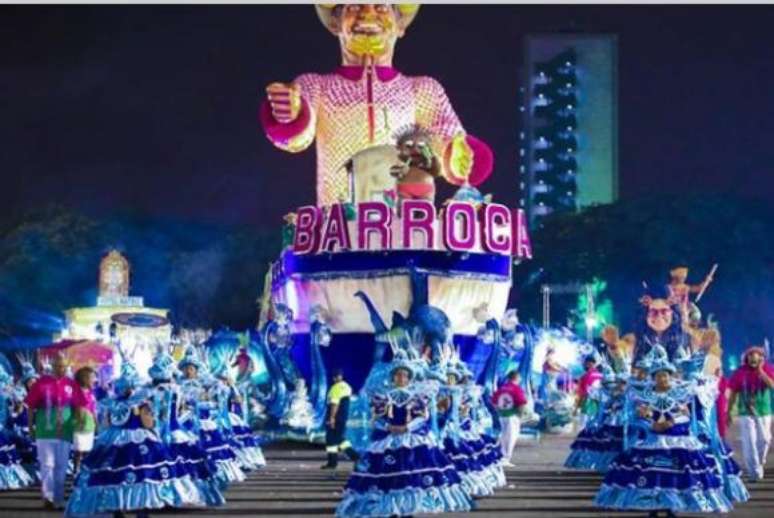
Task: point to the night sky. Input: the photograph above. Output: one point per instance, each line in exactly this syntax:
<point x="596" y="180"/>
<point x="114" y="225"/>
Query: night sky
<point x="153" y="109"/>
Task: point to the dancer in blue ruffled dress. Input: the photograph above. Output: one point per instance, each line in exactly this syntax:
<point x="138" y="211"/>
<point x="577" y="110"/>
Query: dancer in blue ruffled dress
<point x="20" y="426"/>
<point x="669" y="469"/>
<point x="130" y="467"/>
<point x="601" y="440"/>
<point x="166" y="403"/>
<point x="246" y="444"/>
<point x="204" y="417"/>
<point x="484" y="446"/>
<point x="12" y="473"/>
<point x="404" y="471"/>
<point x="450" y="408"/>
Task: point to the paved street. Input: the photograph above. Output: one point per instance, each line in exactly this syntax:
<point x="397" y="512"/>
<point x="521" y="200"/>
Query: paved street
<point x="293" y="485"/>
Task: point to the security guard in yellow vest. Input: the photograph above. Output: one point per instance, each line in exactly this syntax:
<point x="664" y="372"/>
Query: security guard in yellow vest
<point x="336" y="421"/>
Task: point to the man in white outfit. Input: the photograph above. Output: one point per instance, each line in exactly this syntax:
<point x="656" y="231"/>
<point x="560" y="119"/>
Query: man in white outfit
<point x="509" y="400"/>
<point x="751" y="392"/>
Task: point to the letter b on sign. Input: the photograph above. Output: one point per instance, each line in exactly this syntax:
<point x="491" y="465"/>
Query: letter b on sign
<point x="307" y="237"/>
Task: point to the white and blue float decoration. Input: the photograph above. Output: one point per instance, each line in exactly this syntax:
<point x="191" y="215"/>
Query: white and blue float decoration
<point x="464" y="254"/>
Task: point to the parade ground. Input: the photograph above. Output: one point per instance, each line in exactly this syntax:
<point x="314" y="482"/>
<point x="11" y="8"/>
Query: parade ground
<point x="293" y="485"/>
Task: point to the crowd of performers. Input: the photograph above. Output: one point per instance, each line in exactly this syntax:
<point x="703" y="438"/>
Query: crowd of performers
<point x="654" y="408"/>
<point x="655" y="414"/>
<point x="430" y="450"/>
<point x="177" y="440"/>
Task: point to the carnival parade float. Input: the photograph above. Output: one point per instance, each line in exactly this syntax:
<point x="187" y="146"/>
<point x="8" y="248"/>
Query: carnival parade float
<point x="380" y="285"/>
<point x="377" y="262"/>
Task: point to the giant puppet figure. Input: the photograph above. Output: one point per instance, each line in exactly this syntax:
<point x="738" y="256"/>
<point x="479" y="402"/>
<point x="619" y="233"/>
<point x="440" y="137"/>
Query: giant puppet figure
<point x="361" y="104"/>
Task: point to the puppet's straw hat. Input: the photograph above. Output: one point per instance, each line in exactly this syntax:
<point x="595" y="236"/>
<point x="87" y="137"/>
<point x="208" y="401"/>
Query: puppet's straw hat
<point x="406" y="14"/>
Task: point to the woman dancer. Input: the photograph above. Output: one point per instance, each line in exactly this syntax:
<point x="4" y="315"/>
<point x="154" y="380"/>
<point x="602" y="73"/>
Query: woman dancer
<point x="166" y="403"/>
<point x="20" y="427"/>
<point x="245" y="442"/>
<point x="601" y="440"/>
<point x="475" y="425"/>
<point x="130" y="468"/>
<point x="451" y="409"/>
<point x="12" y="474"/>
<point x="669" y="469"/>
<point x="404" y="471"/>
<point x="203" y="417"/>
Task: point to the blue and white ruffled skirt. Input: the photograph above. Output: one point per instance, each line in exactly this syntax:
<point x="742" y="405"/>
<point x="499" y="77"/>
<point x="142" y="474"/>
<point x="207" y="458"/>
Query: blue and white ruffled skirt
<point x="488" y="451"/>
<point x="12" y="473"/>
<point x="403" y="474"/>
<point x="247" y="446"/>
<point x="185" y="445"/>
<point x="664" y="472"/>
<point x="221" y="451"/>
<point x="733" y="486"/>
<point x="595" y="447"/>
<point x="132" y="469"/>
<point x="477" y="461"/>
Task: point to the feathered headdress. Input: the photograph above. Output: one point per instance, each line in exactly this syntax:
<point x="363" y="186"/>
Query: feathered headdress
<point x="128" y="379"/>
<point x="193" y="357"/>
<point x="656" y="354"/>
<point x="163" y="367"/>
<point x="662" y="365"/>
<point x="608" y="374"/>
<point x="28" y="371"/>
<point x="458" y="367"/>
<point x="400" y="360"/>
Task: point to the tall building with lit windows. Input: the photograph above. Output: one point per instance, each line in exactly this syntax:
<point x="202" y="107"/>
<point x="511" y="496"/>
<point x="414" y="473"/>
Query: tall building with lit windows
<point x="568" y="141"/>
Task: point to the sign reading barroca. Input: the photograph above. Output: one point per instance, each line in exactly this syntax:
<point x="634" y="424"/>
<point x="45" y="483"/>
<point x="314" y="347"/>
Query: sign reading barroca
<point x="460" y="227"/>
